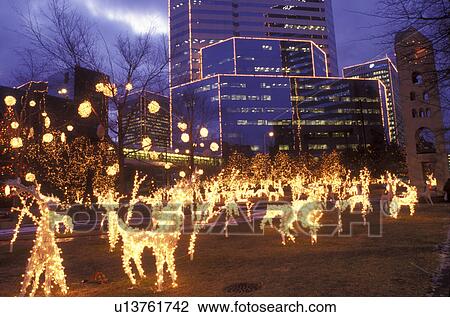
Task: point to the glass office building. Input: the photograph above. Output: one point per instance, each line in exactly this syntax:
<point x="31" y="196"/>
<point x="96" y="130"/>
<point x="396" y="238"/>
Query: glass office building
<point x="267" y="95"/>
<point x="387" y="73"/>
<point x="139" y="123"/>
<point x="195" y="24"/>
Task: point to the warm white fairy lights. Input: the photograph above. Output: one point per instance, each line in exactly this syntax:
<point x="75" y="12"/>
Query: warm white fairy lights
<point x="16" y="142"/>
<point x="45" y="256"/>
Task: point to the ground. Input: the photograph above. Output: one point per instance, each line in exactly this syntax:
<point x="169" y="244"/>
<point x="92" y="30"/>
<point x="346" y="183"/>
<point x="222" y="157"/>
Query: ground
<point x="400" y="263"/>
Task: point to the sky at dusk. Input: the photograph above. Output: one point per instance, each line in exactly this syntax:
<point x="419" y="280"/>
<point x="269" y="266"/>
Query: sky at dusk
<point x="353" y="29"/>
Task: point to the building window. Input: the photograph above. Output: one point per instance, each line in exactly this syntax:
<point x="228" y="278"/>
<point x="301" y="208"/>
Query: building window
<point x="412" y="96"/>
<point x="421" y="113"/>
<point x="425" y="141"/>
<point x="414" y="113"/>
<point x="417" y="78"/>
<point x="428" y="113"/>
<point x="426" y="96"/>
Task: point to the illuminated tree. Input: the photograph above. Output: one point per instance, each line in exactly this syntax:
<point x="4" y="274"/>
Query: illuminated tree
<point x="261" y="167"/>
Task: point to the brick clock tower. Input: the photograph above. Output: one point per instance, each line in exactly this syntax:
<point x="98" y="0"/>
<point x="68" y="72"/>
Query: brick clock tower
<point x="421" y="109"/>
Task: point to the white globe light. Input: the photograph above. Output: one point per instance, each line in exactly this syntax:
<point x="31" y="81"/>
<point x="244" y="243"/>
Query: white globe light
<point x="14" y="125"/>
<point x="146" y="143"/>
<point x="153" y="107"/>
<point x="182" y="126"/>
<point x="185" y="137"/>
<point x="182" y="174"/>
<point x="32" y="103"/>
<point x="10" y="101"/>
<point x="47" y="138"/>
<point x="85" y="109"/>
<point x="63" y="137"/>
<point x="70" y="128"/>
<point x="16" y="142"/>
<point x="214" y="147"/>
<point x="30" y="177"/>
<point x="204" y="132"/>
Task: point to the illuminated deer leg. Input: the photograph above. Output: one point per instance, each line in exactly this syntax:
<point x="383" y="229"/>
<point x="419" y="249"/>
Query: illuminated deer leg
<point x="37" y="276"/>
<point x="138" y="261"/>
<point x="127" y="267"/>
<point x="159" y="256"/>
<point x="170" y="259"/>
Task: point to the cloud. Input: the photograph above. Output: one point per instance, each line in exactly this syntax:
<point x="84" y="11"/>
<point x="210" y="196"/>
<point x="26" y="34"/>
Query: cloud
<point x="139" y="20"/>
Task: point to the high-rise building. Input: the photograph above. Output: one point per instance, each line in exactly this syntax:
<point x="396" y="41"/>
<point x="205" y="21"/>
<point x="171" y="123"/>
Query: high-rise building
<point x="147" y="116"/>
<point x="384" y="70"/>
<point x="261" y="95"/>
<point x="76" y="85"/>
<point x="59" y="99"/>
<point x="421" y="108"/>
<point x="197" y="23"/>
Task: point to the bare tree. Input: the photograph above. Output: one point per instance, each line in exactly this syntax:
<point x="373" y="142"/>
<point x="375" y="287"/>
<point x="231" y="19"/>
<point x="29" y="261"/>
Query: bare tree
<point x="137" y="63"/>
<point x="60" y="33"/>
<point x="430" y="17"/>
<point x="194" y="118"/>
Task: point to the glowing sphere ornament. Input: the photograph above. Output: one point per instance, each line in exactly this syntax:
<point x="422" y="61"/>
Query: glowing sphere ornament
<point x="129" y="86"/>
<point x="69" y="128"/>
<point x="182" y="174"/>
<point x="204" y="132"/>
<point x="85" y="109"/>
<point x="167" y="166"/>
<point x="10" y="101"/>
<point x="182" y="126"/>
<point x="153" y="107"/>
<point x="177" y="151"/>
<point x="15" y="125"/>
<point x="44" y="114"/>
<point x="185" y="137"/>
<point x="30" y="177"/>
<point x="32" y="103"/>
<point x="214" y="147"/>
<point x="146" y="143"/>
<point x="47" y="138"/>
<point x="16" y="142"/>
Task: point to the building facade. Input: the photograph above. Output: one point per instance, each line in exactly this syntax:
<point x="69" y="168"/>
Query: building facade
<point x="59" y="98"/>
<point x="76" y="86"/>
<point x="147" y="116"/>
<point x="195" y="24"/>
<point x="384" y="70"/>
<point x="289" y="106"/>
<point x="421" y="107"/>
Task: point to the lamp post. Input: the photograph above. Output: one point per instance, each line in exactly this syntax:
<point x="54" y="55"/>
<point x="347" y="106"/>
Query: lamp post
<point x="271" y="135"/>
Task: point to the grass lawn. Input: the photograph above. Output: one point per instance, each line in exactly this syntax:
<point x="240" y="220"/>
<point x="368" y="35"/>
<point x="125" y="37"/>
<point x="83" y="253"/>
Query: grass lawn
<point x="399" y="263"/>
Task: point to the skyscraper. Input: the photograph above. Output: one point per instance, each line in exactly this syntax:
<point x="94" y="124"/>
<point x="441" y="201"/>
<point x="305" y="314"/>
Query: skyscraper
<point x="384" y="70"/>
<point x="261" y="95"/>
<point x="198" y="23"/>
